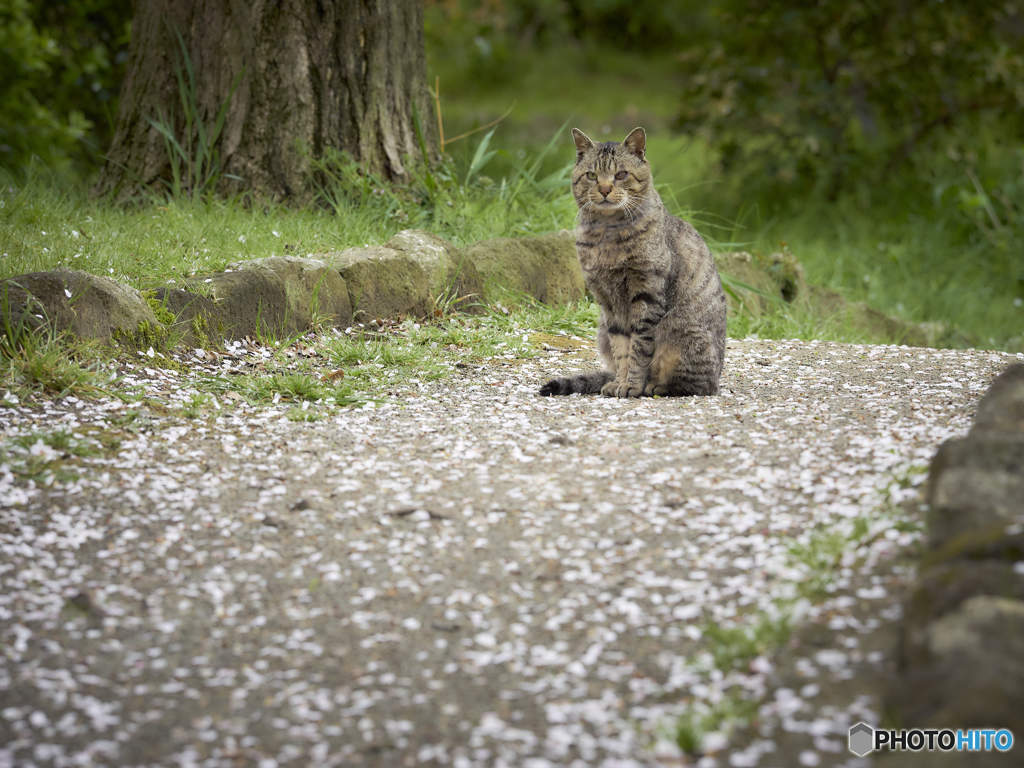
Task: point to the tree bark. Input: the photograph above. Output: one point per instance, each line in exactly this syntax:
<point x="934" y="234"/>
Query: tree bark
<point x="296" y="77"/>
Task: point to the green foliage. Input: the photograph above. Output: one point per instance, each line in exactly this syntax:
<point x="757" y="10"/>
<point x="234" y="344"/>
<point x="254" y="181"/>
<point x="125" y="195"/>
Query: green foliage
<point x="454" y="198"/>
<point x="836" y="91"/>
<point x="733" y="647"/>
<point x="494" y="35"/>
<point x="60" y="70"/>
<point x="42" y="456"/>
<point x="42" y="364"/>
<point x="732" y="711"/>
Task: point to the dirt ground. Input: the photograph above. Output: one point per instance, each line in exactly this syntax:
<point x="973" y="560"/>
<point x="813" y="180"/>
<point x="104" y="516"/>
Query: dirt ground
<point x="472" y="575"/>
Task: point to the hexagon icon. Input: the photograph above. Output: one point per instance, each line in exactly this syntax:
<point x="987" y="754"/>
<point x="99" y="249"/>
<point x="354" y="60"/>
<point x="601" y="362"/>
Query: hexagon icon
<point x="861" y="739"/>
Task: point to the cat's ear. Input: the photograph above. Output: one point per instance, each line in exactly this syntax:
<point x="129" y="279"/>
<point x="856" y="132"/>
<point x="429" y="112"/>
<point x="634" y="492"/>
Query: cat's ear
<point x="583" y="142"/>
<point x="636" y="142"/>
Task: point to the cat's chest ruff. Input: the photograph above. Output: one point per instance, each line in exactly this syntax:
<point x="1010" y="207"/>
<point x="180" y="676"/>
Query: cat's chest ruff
<point x="612" y="246"/>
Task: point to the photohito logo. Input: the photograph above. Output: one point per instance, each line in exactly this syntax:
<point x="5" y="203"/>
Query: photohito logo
<point x="863" y="739"/>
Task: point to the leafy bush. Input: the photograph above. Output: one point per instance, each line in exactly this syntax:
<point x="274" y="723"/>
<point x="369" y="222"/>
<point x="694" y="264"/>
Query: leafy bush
<point x="837" y="93"/>
<point x="488" y="38"/>
<point x="62" y="65"/>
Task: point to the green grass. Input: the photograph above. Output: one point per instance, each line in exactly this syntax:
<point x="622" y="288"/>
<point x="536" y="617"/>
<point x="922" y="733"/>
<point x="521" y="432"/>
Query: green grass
<point x="734" y="647"/>
<point x="48" y="457"/>
<point x="272" y="387"/>
<point x="37" y="361"/>
<point x="922" y="269"/>
<point x="731" y="712"/>
<point x="317" y="373"/>
<point x="47" y="223"/>
<point x="43" y="226"/>
<point x="799" y="321"/>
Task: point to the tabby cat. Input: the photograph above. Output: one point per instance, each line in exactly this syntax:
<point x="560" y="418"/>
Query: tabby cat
<point x="662" y="326"/>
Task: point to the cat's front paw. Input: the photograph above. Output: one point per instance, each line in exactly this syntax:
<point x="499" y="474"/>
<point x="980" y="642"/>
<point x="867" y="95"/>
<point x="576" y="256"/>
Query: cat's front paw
<point x="650" y="390"/>
<point x="614" y="389"/>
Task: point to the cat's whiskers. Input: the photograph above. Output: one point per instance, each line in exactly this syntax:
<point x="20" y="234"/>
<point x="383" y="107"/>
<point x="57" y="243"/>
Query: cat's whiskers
<point x="585" y="207"/>
<point x="631" y="207"/>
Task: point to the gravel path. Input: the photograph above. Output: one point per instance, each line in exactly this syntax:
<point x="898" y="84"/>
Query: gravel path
<point x="469" y="574"/>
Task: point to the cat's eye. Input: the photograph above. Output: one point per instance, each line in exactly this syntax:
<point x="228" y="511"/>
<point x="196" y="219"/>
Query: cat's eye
<point x="591" y="175"/>
<point x="621" y="175"/>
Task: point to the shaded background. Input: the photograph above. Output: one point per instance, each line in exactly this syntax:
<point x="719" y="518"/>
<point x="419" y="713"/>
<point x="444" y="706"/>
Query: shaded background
<point x="880" y="141"/>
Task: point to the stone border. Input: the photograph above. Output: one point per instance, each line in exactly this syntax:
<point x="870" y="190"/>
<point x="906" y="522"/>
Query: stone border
<point x="413" y="274"/>
<point x="961" y="656"/>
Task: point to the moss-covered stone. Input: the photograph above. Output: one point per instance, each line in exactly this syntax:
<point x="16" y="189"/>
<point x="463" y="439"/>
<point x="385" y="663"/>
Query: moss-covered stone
<point x="941" y="589"/>
<point x="544" y="267"/>
<point x="450" y="274"/>
<point x="146" y="335"/>
<point x="88" y="306"/>
<point x="859" y="316"/>
<point x="193" y="316"/>
<point x="975" y="486"/>
<point x="962" y="640"/>
<point x="199" y="329"/>
<point x="276" y="296"/>
<point x="383" y="282"/>
<point x="163" y="315"/>
<point x="1001" y="410"/>
<point x="966" y="668"/>
<point x="758" y="283"/>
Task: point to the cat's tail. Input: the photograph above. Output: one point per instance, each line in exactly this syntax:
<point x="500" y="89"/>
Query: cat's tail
<point x="585" y="383"/>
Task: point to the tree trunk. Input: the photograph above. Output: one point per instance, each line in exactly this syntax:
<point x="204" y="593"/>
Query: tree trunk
<point x="290" y="79"/>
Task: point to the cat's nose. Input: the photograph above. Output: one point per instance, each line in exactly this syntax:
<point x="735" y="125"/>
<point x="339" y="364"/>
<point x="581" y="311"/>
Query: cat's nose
<point x="604" y="189"/>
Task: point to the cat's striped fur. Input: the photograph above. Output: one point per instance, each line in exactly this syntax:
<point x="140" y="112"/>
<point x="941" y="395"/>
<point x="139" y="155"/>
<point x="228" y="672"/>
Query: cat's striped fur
<point x="662" y="326"/>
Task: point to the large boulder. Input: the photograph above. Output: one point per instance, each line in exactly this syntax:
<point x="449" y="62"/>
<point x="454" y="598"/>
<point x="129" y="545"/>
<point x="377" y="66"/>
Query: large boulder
<point x="544" y="266"/>
<point x="88" y="306"/>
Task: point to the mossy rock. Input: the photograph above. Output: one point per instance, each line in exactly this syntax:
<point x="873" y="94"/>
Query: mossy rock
<point x="758" y="283"/>
<point x="275" y="296"/>
<point x="1002" y="407"/>
<point x="962" y="641"/>
<point x="859" y="316"/>
<point x="193" y="317"/>
<point x="545" y="267"/>
<point x="383" y="282"/>
<point x="88" y="306"/>
<point x="450" y="274"/>
<point x="966" y="669"/>
<point x="975" y="488"/>
<point x="941" y="590"/>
